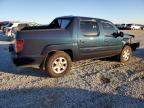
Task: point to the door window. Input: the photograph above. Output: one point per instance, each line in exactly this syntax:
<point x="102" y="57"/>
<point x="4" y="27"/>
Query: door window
<point x="108" y="28"/>
<point x="89" y="28"/>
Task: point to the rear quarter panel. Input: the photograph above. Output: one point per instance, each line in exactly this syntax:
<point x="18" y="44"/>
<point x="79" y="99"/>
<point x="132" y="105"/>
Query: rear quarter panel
<point x="36" y="40"/>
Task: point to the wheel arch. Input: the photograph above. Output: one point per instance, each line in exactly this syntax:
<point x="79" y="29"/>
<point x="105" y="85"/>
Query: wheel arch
<point x="50" y="50"/>
<point x="67" y="51"/>
<point x="129" y="42"/>
<point x="133" y="45"/>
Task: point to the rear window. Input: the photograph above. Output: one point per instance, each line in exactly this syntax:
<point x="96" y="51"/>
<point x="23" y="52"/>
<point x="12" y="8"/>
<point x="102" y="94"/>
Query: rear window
<point x="61" y="23"/>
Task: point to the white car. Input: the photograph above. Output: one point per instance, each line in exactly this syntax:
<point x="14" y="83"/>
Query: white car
<point x="136" y="27"/>
<point x="16" y="27"/>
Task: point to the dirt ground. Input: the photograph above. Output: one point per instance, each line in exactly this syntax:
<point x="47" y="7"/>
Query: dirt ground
<point x="90" y="84"/>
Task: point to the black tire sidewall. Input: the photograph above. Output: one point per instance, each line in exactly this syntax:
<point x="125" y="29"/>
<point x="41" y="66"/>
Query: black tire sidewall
<point x="121" y="55"/>
<point x="49" y="62"/>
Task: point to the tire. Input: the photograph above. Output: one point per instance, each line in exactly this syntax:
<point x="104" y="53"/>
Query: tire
<point x="125" y="54"/>
<point x="58" y="64"/>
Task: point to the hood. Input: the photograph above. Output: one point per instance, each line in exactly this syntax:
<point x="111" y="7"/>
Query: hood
<point x="126" y="35"/>
<point x="127" y="38"/>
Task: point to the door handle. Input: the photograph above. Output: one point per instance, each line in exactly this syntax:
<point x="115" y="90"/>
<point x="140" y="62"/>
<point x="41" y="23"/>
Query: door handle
<point x="105" y="40"/>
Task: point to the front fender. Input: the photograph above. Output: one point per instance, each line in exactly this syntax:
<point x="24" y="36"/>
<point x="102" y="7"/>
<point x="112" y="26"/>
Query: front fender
<point x="131" y="43"/>
<point x="135" y="45"/>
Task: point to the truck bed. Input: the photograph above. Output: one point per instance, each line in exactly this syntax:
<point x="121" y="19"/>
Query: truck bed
<point x="36" y="27"/>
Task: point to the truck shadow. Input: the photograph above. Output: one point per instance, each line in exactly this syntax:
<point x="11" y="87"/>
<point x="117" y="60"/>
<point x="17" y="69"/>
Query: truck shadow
<point x="7" y="66"/>
<point x="64" y="98"/>
<point x="32" y="72"/>
<point x="139" y="53"/>
<point x="28" y="71"/>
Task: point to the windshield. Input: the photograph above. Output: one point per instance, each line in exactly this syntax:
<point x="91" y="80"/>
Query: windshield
<point x="60" y="23"/>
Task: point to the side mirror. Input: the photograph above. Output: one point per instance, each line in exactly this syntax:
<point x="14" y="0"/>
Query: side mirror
<point x="121" y="34"/>
<point x="117" y="34"/>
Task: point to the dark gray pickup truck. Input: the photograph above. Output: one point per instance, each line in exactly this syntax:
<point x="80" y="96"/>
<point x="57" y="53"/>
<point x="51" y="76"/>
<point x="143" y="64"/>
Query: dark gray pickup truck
<point x="71" y="38"/>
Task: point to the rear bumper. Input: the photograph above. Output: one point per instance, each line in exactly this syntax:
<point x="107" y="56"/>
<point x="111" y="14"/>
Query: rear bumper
<point x="21" y="59"/>
<point x="25" y="61"/>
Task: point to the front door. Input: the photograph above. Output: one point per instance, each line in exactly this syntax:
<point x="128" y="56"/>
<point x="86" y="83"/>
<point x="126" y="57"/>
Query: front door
<point x="89" y="40"/>
<point x="112" y="44"/>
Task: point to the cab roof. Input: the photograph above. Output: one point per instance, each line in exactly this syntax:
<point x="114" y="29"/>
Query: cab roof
<point x="84" y="18"/>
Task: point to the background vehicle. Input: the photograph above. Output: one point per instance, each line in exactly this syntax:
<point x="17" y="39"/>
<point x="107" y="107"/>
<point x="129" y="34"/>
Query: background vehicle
<point x="136" y="27"/>
<point x="33" y="24"/>
<point x="4" y="25"/>
<point x="118" y="26"/>
<point x="128" y="27"/>
<point x="123" y="26"/>
<point x="142" y="27"/>
<point x="15" y="27"/>
<point x="68" y="39"/>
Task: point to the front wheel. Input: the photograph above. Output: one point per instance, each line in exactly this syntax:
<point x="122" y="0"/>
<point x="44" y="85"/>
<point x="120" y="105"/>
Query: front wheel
<point x="125" y="54"/>
<point x="58" y="64"/>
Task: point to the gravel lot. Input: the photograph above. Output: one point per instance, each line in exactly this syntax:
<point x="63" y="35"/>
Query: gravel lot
<point x="90" y="84"/>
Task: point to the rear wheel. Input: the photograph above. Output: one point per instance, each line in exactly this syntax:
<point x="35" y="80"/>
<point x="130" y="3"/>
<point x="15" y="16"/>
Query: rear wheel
<point x="58" y="64"/>
<point x="125" y="54"/>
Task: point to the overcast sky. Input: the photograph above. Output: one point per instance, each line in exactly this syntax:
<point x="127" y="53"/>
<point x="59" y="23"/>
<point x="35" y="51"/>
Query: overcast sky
<point x="44" y="11"/>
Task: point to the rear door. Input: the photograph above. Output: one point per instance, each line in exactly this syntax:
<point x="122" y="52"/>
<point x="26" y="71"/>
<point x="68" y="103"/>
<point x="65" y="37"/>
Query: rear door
<point x="112" y="44"/>
<point x="90" y="41"/>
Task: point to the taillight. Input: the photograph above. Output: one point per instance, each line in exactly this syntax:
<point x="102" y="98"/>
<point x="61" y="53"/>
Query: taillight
<point x="19" y="45"/>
